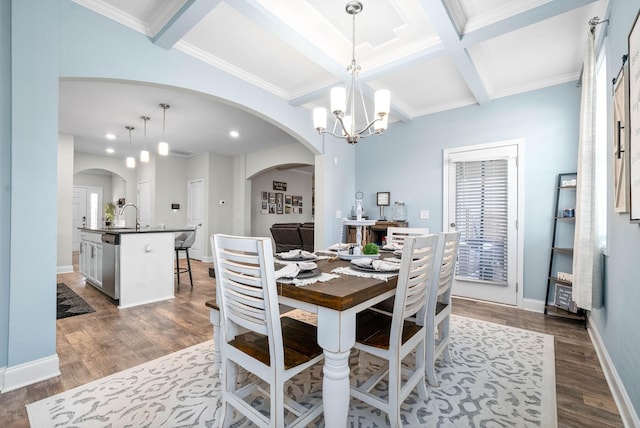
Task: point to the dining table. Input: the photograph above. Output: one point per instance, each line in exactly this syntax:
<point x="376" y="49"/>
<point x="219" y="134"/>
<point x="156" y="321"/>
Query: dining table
<point x="336" y="303"/>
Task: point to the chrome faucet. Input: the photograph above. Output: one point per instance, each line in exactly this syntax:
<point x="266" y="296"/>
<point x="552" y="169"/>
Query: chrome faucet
<point x="137" y="218"/>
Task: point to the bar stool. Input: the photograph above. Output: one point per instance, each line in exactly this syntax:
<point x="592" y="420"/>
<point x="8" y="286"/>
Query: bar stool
<point x="183" y="242"/>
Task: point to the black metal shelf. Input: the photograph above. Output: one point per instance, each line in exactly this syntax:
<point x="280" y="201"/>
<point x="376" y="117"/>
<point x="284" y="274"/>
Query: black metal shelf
<point x="553" y="282"/>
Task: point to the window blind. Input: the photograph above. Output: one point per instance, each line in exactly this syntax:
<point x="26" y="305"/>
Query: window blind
<point x="481" y="207"/>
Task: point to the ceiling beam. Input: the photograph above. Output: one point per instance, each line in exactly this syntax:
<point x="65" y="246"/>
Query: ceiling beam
<point x="514" y="22"/>
<point x="192" y="12"/>
<point x="446" y="29"/>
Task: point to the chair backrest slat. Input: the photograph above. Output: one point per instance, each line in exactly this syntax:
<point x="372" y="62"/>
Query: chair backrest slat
<point x="414" y="281"/>
<point x="246" y="288"/>
<point x="396" y="235"/>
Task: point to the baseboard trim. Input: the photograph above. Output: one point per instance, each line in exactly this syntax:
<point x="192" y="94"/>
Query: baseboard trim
<point x="28" y="373"/>
<point x="2" y="370"/>
<point x="533" y="305"/>
<point x="64" y="269"/>
<point x="618" y="391"/>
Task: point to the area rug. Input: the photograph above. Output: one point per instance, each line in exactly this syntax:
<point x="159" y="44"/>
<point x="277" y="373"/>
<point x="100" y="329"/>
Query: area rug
<point x="499" y="377"/>
<point x="69" y="303"/>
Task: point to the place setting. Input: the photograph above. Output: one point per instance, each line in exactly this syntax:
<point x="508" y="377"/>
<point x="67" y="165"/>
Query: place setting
<point x="302" y="273"/>
<point x="371" y="267"/>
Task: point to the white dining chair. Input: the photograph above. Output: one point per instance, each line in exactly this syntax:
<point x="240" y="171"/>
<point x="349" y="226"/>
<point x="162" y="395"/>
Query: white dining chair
<point x="396" y="235"/>
<point x="254" y="336"/>
<point x="394" y="338"/>
<point x="439" y="310"/>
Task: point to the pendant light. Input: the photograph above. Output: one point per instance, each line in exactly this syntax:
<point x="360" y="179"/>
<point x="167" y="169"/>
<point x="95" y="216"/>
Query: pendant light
<point x="131" y="161"/>
<point x="343" y="100"/>
<point x="144" y="154"/>
<point x="163" y="146"/>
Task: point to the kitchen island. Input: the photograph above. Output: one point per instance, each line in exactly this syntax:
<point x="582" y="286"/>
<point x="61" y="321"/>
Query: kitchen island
<point x="134" y="267"/>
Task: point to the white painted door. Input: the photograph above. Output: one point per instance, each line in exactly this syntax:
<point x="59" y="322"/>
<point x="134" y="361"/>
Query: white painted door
<point x="144" y="203"/>
<point x="481" y="188"/>
<point x="79" y="214"/>
<point x="87" y="211"/>
<point x="195" y="215"/>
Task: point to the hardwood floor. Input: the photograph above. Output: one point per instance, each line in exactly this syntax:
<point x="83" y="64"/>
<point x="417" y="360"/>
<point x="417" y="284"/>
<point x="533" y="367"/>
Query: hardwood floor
<point x="109" y="340"/>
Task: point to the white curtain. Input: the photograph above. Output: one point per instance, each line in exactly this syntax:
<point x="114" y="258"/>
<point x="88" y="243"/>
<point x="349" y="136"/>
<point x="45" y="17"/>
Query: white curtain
<point x="588" y="241"/>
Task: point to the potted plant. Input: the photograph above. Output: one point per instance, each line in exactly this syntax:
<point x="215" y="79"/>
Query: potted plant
<point x="109" y="213"/>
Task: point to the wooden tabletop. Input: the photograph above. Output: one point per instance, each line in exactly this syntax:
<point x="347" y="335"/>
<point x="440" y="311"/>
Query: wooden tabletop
<point x="339" y="294"/>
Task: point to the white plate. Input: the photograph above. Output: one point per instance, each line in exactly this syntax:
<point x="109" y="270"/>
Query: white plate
<point x="358" y="256"/>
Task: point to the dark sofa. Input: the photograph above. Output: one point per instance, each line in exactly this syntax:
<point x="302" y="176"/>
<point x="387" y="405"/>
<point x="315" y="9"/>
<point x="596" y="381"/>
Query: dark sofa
<point x="292" y="236"/>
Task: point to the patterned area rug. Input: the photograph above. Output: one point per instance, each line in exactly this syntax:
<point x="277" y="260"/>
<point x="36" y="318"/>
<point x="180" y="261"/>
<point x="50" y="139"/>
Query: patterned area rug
<point x="499" y="377"/>
<point x="69" y="303"/>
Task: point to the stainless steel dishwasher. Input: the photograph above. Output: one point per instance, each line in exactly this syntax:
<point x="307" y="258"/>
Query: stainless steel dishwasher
<point x="110" y="265"/>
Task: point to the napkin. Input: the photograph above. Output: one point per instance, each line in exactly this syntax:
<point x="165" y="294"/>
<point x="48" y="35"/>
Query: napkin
<point x="295" y="254"/>
<point x="363" y="262"/>
<point x="306" y="265"/>
<point x="393" y="260"/>
<point x="393" y="246"/>
<point x="289" y="271"/>
<point x="384" y="266"/>
<point x="338" y="247"/>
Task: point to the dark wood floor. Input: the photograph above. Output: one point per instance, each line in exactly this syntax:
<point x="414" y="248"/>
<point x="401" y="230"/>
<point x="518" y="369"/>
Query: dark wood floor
<point x="109" y="340"/>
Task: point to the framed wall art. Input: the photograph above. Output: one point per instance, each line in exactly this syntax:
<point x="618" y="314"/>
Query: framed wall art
<point x="633" y="129"/>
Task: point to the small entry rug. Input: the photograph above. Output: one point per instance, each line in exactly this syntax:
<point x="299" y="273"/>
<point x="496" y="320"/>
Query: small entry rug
<point x="69" y="303"/>
<point x="499" y="377"/>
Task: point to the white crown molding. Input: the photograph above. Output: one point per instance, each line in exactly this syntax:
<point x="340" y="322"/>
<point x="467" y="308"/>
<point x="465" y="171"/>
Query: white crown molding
<point x="216" y="62"/>
<point x="28" y="373"/>
<point x="625" y="406"/>
<point x="505" y="11"/>
<point x="115" y="14"/>
<point x="539" y="84"/>
<point x="463" y="102"/>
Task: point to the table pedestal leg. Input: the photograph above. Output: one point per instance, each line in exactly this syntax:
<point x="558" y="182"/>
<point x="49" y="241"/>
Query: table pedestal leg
<point x="335" y="388"/>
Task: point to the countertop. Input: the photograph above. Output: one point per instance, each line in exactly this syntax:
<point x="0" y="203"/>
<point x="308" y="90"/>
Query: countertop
<point x="126" y="230"/>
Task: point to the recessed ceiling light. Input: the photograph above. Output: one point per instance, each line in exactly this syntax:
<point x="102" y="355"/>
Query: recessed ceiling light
<point x="110" y="137"/>
<point x="234" y="134"/>
<point x="110" y="150"/>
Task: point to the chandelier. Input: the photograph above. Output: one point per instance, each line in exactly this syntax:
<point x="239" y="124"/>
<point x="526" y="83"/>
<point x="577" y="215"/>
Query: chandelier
<point x="343" y="100"/>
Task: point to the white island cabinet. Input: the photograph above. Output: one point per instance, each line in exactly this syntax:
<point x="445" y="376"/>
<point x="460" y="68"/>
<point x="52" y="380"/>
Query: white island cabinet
<point x="132" y="267"/>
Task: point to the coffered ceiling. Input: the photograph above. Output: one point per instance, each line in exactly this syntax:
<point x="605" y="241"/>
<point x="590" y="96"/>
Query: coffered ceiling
<point x="433" y="55"/>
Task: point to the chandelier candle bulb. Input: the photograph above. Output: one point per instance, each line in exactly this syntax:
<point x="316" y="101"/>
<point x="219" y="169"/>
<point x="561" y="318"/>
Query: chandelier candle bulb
<point x="131" y="162"/>
<point x="320" y="118"/>
<point x="382" y="102"/>
<point x="338" y="100"/>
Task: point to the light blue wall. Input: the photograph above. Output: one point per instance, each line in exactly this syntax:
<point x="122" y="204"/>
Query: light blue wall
<point x="5" y="174"/>
<point x="407" y="161"/>
<point x="43" y="40"/>
<point x="34" y="150"/>
<point x="619" y="319"/>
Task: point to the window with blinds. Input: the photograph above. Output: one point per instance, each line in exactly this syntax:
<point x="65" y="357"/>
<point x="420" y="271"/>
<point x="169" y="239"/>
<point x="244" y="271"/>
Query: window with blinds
<point x="481" y="207"/>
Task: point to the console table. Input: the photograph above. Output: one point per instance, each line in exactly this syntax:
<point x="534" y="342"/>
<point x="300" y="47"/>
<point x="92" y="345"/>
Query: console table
<point x="375" y="232"/>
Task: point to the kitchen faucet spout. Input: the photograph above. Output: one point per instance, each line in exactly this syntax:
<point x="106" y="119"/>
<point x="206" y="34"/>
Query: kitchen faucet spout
<point x="137" y="218"/>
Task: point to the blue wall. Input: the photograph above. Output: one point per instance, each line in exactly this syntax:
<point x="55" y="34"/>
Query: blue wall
<point x="619" y="319"/>
<point x="5" y="173"/>
<point x="407" y="161"/>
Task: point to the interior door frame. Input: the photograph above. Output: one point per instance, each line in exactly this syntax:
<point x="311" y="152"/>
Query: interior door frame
<point x="519" y="143"/>
<point x="198" y="248"/>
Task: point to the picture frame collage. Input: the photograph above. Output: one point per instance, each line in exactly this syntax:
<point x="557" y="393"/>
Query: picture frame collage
<point x="280" y="203"/>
